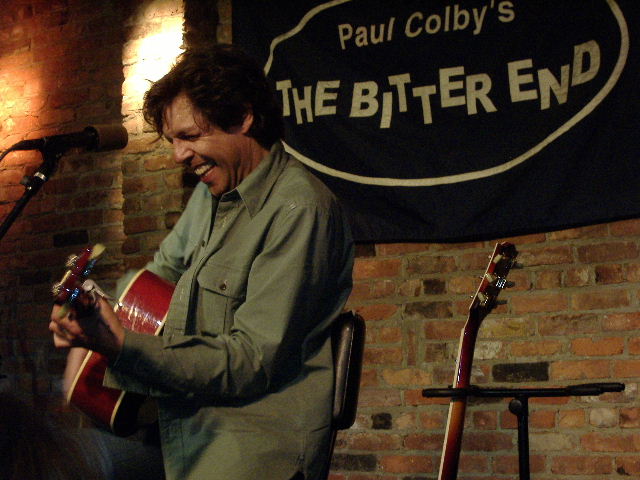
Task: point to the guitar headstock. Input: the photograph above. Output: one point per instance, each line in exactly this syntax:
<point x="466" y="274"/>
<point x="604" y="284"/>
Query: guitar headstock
<point x="494" y="280"/>
<point x="69" y="288"/>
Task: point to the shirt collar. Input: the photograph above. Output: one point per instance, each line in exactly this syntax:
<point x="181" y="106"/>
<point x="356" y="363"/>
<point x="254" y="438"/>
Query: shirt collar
<point x="254" y="190"/>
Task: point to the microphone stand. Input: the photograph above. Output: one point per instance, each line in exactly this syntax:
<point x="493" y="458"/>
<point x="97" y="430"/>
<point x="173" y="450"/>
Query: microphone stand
<point x="519" y="406"/>
<point x="32" y="184"/>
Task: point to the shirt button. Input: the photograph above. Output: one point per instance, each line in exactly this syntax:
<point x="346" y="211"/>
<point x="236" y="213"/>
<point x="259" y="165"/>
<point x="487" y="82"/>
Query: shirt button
<point x="223" y="286"/>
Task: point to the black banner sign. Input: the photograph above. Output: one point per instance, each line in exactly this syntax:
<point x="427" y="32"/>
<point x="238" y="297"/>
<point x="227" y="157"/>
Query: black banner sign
<point x="452" y="121"/>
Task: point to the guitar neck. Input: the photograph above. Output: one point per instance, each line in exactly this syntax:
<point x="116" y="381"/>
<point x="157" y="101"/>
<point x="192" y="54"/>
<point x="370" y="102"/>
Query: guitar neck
<point x="457" y="407"/>
<point x="493" y="281"/>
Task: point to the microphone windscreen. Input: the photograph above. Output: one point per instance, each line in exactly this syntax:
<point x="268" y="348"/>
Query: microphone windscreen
<point x="109" y="137"/>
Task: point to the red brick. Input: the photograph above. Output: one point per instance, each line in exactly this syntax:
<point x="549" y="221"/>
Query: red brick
<point x="421" y="441"/>
<point x="628" y="466"/>
<point x="407" y="464"/>
<point x="626" y="368"/>
<point x="608" y="252"/>
<point x="470" y="463"/>
<point x="591" y="231"/>
<point x="369" y="377"/>
<point x="542" y="419"/>
<point x="634" y="346"/>
<point x="610" y="273"/>
<point x="533" y="303"/>
<point x="140" y="224"/>
<point x="410" y="288"/>
<point x="581" y="465"/>
<point x="433" y="420"/>
<point x="596" y="347"/>
<point x="427" y="310"/>
<point x="141" y="144"/>
<point x="374" y="441"/>
<point x="435" y="352"/>
<point x="11" y="177"/>
<point x="474" y="261"/>
<point x="383" y="335"/>
<point x="149" y="183"/>
<point x="601" y="442"/>
<point x="379" y="397"/>
<point x="487" y="441"/>
<point x="548" y="279"/>
<point x="630" y="417"/>
<point x="440" y="330"/>
<point x="602" y="299"/>
<point x="621" y="321"/>
<point x="521" y="279"/>
<point x="57" y="116"/>
<point x="485" y="420"/>
<point x="463" y="284"/>
<point x="577" y="277"/>
<point x="508" y="464"/>
<point x="546" y="256"/>
<point x="580" y="369"/>
<point x="366" y="268"/>
<point x="431" y="264"/>
<point x="571" y="418"/>
<point x="11" y="193"/>
<point x="407" y="377"/>
<point x="380" y="356"/>
<point x="535" y="348"/>
<point x="381" y="311"/>
<point x="633" y="272"/>
<point x="173" y="179"/>
<point x="383" y="289"/>
<point x="625" y="228"/>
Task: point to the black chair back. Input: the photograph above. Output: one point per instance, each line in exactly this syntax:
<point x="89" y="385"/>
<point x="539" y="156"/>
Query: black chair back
<point x="347" y="339"/>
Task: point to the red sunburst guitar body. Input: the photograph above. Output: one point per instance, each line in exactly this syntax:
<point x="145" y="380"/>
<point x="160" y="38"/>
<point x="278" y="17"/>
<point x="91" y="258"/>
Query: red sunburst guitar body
<point x="141" y="308"/>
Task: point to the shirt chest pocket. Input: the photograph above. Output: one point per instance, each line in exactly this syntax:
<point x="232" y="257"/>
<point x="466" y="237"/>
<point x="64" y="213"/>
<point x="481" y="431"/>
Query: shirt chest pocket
<point x="221" y="292"/>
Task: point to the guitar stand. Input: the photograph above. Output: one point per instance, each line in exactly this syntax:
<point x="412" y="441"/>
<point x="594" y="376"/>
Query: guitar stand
<point x="519" y="406"/>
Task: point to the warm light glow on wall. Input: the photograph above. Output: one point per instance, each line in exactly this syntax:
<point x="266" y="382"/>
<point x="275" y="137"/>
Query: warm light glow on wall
<point x="21" y="100"/>
<point x="155" y="44"/>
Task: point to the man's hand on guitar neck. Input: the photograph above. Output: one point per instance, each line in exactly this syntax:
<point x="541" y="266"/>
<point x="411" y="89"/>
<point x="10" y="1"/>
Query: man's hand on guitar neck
<point x="95" y="327"/>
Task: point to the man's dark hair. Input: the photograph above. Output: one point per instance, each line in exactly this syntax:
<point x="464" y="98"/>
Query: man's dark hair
<point x="224" y="84"/>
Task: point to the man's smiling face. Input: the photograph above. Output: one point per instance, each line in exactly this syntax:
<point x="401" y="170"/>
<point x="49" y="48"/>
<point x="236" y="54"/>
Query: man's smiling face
<point x="221" y="159"/>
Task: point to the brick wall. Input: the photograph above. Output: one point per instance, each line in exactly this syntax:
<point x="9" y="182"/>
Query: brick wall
<point x="64" y="65"/>
<point x="572" y="316"/>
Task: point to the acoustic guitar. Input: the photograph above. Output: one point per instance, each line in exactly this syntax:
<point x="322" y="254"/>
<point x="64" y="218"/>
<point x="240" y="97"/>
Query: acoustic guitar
<point x="485" y="299"/>
<point x="142" y="308"/>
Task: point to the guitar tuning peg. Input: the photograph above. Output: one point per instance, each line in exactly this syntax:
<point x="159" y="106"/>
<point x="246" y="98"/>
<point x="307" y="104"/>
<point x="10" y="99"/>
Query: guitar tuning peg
<point x="71" y="261"/>
<point x="517" y="265"/>
<point x="501" y="302"/>
<point x="56" y="288"/>
<point x="504" y="283"/>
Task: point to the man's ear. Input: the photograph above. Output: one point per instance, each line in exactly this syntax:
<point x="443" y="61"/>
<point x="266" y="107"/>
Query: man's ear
<point x="247" y="122"/>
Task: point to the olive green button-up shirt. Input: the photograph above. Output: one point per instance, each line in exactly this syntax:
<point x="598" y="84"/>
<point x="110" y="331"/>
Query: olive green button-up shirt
<point x="243" y="371"/>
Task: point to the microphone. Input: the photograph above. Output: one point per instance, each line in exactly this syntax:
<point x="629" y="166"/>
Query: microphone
<point x="96" y="137"/>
